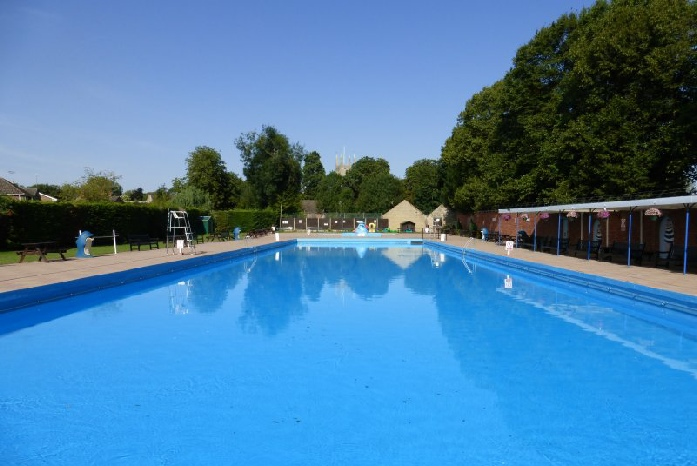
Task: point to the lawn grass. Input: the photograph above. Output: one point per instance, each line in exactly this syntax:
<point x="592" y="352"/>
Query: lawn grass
<point x="11" y="257"/>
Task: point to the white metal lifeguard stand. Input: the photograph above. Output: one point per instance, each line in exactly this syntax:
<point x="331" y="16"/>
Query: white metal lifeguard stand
<point x="179" y="234"/>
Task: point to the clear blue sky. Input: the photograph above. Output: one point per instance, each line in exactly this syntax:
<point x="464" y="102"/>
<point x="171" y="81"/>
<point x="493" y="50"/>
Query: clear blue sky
<point x="131" y="86"/>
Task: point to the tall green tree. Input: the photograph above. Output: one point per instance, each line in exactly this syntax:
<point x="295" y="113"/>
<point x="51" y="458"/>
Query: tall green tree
<point x="467" y="184"/>
<point x="333" y="195"/>
<point x="207" y="172"/>
<point x="236" y="188"/>
<point x="379" y="192"/>
<point x="313" y="174"/>
<point x="635" y="88"/>
<point x="600" y="104"/>
<point x="362" y="169"/>
<point x="533" y="107"/>
<point x="422" y="184"/>
<point x="272" y="167"/>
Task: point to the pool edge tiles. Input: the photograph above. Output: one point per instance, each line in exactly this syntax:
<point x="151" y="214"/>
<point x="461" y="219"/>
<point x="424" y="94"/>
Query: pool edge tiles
<point x="358" y="240"/>
<point x="17" y="299"/>
<point x="663" y="299"/>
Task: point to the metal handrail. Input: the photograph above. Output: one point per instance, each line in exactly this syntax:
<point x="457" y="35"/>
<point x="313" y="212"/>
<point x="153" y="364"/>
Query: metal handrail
<point x="469" y="241"/>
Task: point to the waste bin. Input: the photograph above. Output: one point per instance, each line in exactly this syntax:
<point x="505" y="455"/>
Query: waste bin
<point x="208" y="224"/>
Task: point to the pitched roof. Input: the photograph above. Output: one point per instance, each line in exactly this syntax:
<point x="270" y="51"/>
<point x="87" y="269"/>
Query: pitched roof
<point x="404" y="207"/>
<point x="10" y="189"/>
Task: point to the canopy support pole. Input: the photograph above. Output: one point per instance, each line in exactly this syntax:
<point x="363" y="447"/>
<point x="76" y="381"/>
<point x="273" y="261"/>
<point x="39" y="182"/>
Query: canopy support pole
<point x="590" y="226"/>
<point x="629" y="239"/>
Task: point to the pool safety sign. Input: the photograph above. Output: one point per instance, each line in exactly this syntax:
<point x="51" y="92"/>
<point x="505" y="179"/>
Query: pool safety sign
<point x="508" y="282"/>
<point x="509" y="247"/>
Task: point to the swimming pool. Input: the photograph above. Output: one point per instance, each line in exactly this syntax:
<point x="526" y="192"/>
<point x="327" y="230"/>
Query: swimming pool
<point x="326" y="353"/>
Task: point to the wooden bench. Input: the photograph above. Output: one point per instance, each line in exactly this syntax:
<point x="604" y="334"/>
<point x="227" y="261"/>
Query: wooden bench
<point x="40" y="249"/>
<point x="142" y="240"/>
<point x="620" y="249"/>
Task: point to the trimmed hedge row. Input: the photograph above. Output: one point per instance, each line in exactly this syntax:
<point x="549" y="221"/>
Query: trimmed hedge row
<point x="28" y="221"/>
<point x="247" y="220"/>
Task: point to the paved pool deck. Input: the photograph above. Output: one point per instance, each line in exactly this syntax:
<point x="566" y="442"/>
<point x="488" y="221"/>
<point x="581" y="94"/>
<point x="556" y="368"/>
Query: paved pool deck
<point x="33" y="274"/>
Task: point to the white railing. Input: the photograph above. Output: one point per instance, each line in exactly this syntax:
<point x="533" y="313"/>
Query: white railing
<point x="469" y="244"/>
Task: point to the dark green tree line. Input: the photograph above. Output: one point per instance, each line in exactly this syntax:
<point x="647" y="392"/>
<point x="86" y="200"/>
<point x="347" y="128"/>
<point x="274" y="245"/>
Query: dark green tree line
<point x="599" y="104"/>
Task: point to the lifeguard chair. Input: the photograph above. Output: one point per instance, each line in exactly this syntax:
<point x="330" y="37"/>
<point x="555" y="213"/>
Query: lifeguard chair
<point x="179" y="234"/>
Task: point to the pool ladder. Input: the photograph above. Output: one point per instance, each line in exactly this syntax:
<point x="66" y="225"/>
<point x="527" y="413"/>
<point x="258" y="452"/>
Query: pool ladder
<point x="470" y="242"/>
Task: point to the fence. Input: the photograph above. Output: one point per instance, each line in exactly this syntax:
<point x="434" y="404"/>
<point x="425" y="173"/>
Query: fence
<point x="331" y="223"/>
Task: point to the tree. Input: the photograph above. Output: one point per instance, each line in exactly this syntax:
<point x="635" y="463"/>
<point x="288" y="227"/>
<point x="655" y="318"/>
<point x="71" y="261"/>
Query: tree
<point x="422" y="184"/>
<point x="161" y="196"/>
<point x="313" y="174"/>
<point x="272" y="168"/>
<point x="534" y="107"/>
<point x="93" y="186"/>
<point x="236" y="188"/>
<point x="333" y="195"/>
<point x="192" y="197"/>
<point x="634" y="85"/>
<point x="362" y="169"/>
<point x="246" y="199"/>
<point x="206" y="171"/>
<point x="466" y="151"/>
<point x="379" y="192"/>
<point x="134" y="195"/>
<point x="178" y="184"/>
<point x="69" y="192"/>
<point x="600" y="104"/>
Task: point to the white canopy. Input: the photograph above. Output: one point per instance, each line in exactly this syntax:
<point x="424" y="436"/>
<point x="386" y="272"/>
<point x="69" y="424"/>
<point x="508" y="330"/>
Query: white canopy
<point x="675" y="202"/>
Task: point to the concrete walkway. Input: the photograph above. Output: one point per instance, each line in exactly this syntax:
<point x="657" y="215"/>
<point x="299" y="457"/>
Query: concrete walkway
<point x="28" y="275"/>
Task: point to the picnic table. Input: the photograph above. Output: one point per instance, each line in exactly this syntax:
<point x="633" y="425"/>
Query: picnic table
<point x="221" y="235"/>
<point x="41" y="248"/>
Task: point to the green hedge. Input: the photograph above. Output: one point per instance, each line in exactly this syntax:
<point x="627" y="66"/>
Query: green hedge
<point x="29" y="221"/>
<point x="247" y="220"/>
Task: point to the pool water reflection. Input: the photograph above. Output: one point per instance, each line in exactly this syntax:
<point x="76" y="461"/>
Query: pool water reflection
<point x="316" y="354"/>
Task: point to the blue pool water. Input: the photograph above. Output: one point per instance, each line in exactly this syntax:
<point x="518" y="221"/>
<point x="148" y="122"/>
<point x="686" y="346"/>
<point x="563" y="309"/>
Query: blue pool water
<point x="314" y="354"/>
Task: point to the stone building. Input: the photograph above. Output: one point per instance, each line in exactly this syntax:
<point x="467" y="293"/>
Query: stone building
<point x="405" y="217"/>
